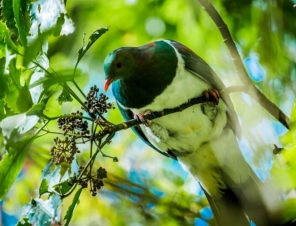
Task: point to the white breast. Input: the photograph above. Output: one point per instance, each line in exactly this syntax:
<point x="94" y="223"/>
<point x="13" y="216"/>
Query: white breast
<point x="186" y="130"/>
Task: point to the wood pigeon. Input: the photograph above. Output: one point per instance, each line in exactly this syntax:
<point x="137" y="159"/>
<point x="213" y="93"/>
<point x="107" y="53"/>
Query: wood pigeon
<point x="203" y="138"/>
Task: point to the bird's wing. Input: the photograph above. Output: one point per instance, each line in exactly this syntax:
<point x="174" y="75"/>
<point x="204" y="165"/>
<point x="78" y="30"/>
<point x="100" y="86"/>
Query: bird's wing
<point x="203" y="71"/>
<point x="128" y="115"/>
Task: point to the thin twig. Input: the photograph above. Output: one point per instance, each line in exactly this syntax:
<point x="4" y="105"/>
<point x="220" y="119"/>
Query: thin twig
<point x="251" y="89"/>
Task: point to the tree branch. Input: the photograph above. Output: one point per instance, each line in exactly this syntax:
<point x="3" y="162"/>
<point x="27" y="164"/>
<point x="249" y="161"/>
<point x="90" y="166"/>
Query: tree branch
<point x="154" y="115"/>
<point x="249" y="88"/>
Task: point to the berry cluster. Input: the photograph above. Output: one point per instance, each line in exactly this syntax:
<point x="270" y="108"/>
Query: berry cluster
<point x="76" y="128"/>
<point x="101" y="173"/>
<point x="96" y="105"/>
<point x="74" y="124"/>
<point x="64" y="150"/>
<point x="95" y="181"/>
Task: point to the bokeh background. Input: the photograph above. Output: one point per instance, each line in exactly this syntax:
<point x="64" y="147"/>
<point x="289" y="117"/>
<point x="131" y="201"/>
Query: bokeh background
<point x="144" y="187"/>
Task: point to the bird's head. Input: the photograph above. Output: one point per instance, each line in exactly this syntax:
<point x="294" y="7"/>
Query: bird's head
<point x="154" y="62"/>
<point x="119" y="64"/>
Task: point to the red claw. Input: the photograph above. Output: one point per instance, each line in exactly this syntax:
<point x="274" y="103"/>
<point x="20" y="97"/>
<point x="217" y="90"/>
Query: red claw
<point x="141" y="118"/>
<point x="212" y="94"/>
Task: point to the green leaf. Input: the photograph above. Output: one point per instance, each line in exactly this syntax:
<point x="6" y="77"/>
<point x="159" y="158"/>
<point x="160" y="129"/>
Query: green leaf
<point x="3" y="84"/>
<point x="24" y="222"/>
<point x="12" y="163"/>
<point x="63" y="187"/>
<point x="2" y="110"/>
<point x="2" y="46"/>
<point x="36" y="109"/>
<point x="19" y="9"/>
<point x="43" y="187"/>
<point x="65" y="97"/>
<point x="91" y="40"/>
<point x="40" y="81"/>
<point x="71" y="208"/>
<point x="6" y="40"/>
<point x="18" y="97"/>
<point x="8" y="15"/>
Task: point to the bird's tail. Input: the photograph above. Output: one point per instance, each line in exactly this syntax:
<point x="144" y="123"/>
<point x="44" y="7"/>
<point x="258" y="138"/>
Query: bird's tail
<point x="227" y="210"/>
<point x="240" y="205"/>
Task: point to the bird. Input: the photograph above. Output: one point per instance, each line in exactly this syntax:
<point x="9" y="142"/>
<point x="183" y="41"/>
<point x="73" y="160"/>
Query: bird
<point x="165" y="74"/>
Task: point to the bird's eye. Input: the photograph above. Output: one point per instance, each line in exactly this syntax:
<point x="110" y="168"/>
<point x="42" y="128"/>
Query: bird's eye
<point x="119" y="64"/>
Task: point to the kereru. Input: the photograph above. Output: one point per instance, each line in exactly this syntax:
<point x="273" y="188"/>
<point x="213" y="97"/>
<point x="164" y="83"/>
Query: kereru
<point x="165" y="74"/>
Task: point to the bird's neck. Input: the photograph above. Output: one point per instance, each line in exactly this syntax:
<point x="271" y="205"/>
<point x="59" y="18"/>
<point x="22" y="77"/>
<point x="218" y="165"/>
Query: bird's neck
<point x="137" y="93"/>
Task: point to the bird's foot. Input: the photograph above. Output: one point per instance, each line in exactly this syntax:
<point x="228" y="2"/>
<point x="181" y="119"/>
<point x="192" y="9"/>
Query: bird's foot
<point x="212" y="95"/>
<point x="141" y="118"/>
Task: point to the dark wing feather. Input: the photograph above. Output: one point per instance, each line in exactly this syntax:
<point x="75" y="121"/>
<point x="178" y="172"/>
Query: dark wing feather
<point x="128" y="115"/>
<point x="202" y="70"/>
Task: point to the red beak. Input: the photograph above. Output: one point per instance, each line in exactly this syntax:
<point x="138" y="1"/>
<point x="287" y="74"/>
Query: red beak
<point x="107" y="83"/>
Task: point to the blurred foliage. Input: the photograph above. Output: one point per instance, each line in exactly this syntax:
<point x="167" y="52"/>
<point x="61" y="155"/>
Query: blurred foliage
<point x="39" y="48"/>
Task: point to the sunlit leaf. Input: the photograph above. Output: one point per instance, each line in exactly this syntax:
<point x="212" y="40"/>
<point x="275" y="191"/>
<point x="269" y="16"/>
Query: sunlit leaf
<point x="42" y="64"/>
<point x="54" y="177"/>
<point x="46" y="16"/>
<point x="46" y="170"/>
<point x="51" y="176"/>
<point x="40" y="212"/>
<point x="12" y="163"/>
<point x="12" y="123"/>
<point x="20" y="123"/>
<point x="30" y="122"/>
<point x="56" y="202"/>
<point x="71" y="208"/>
